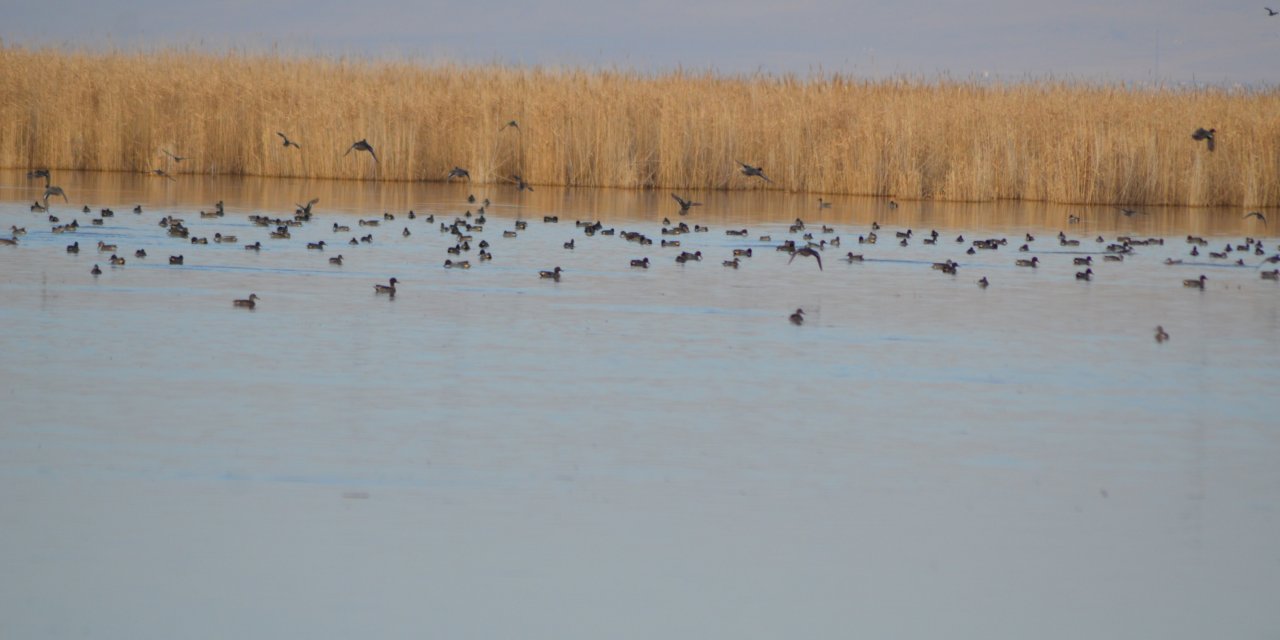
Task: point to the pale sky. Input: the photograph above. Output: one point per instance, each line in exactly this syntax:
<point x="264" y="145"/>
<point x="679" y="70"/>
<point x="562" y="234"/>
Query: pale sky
<point x="1178" y="41"/>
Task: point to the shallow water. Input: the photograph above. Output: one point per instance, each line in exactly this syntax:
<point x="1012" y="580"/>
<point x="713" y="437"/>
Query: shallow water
<point x="629" y="453"/>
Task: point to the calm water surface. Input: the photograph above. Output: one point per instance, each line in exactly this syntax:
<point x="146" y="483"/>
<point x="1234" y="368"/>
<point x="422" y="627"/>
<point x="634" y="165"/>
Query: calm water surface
<point x="630" y="453"/>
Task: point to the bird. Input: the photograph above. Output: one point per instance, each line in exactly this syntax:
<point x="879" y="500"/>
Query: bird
<point x="983" y="282"/>
<point x="511" y="123"/>
<point x="162" y="173"/>
<point x="554" y="274"/>
<point x="362" y="145"/>
<point x="1085" y="275"/>
<point x="8" y="242"/>
<point x="1271" y="12"/>
<point x="54" y="191"/>
<point x="459" y="172"/>
<point x="1206" y="135"/>
<point x="175" y="158"/>
<point x="1129" y="213"/>
<point x="685" y="205"/>
<point x="807" y="251"/>
<point x="748" y="171"/>
<point x="643" y="264"/>
<point x="1034" y="262"/>
<point x="1161" y="334"/>
<point x="305" y="209"/>
<point x="797" y="318"/>
<point x="1258" y="215"/>
<point x="823" y="204"/>
<point x="40" y="173"/>
<point x="336" y="260"/>
<point x="1195" y="284"/>
<point x="247" y="303"/>
<point x="287" y="142"/>
<point x="96" y="270"/>
<point x="389" y="289"/>
<point x="521" y="185"/>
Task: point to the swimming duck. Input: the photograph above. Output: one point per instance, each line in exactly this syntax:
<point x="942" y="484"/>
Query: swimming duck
<point x="643" y="264"/>
<point x="731" y="263"/>
<point x="340" y="228"/>
<point x="552" y="275"/>
<point x="319" y="246"/>
<point x="1085" y="275"/>
<point x="570" y="245"/>
<point x="742" y="252"/>
<point x="74" y="247"/>
<point x="257" y="246"/>
<point x="1161" y="334"/>
<point x="104" y="247"/>
<point x="248" y="303"/>
<point x="116" y="261"/>
<point x="983" y="282"/>
<point x="389" y="289"/>
<point x="405" y="233"/>
<point x="1195" y="284"/>
<point x="852" y="257"/>
<point x="175" y="259"/>
<point x="336" y="260"/>
<point x="219" y="238"/>
<point x="1087" y="260"/>
<point x="1033" y="262"/>
<point x="797" y="318"/>
<point x="1274" y="274"/>
<point x="95" y="270"/>
<point x="9" y="242"/>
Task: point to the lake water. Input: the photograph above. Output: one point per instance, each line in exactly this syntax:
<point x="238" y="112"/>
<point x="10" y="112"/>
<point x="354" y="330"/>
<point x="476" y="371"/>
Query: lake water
<point x="630" y="453"/>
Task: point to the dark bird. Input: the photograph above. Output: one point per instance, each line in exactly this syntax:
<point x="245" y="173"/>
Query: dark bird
<point x="1204" y="134"/>
<point x="1198" y="283"/>
<point x="40" y="173"/>
<point x="175" y="158"/>
<point x="1258" y="215"/>
<point x="389" y="289"/>
<point x="96" y="270"/>
<point x="287" y="142"/>
<point x="685" y="205"/>
<point x="521" y="185"/>
<point x="983" y="282"/>
<point x="807" y="251"/>
<point x="797" y="318"/>
<point x="748" y="171"/>
<point x="554" y="274"/>
<point x="1129" y="213"/>
<point x="459" y="172"/>
<point x="162" y="173"/>
<point x="511" y="123"/>
<point x="305" y="209"/>
<point x="1161" y="335"/>
<point x="248" y="303"/>
<point x="54" y="191"/>
<point x="362" y="145"/>
<point x="1271" y="12"/>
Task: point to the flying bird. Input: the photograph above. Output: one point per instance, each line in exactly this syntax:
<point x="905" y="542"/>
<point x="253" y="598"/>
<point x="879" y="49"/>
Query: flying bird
<point x="305" y="209"/>
<point x="513" y="124"/>
<point x="685" y="205"/>
<point x="1258" y="215"/>
<point x="1204" y="134"/>
<point x="39" y="173"/>
<point x="362" y="145"/>
<point x="459" y="172"/>
<point x="175" y="158"/>
<point x="521" y="185"/>
<point x="162" y="173"/>
<point x="1271" y="12"/>
<point x="807" y="251"/>
<point x="748" y="171"/>
<point x="54" y="191"/>
<point x="1129" y="213"/>
<point x="287" y="142"/>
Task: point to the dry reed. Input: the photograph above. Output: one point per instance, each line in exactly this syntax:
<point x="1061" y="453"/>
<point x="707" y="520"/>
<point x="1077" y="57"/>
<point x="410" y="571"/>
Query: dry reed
<point x="1065" y="142"/>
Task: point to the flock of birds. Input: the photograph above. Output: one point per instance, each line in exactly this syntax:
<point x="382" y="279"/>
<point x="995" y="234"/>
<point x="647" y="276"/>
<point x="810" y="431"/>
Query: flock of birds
<point x="466" y="227"/>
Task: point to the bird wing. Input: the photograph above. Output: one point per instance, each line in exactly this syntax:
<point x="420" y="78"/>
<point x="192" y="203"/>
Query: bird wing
<point x="1211" y="143"/>
<point x="683" y="203"/>
<point x="818" y="257"/>
<point x="793" y="257"/>
<point x="375" y="156"/>
<point x="353" y="145"/>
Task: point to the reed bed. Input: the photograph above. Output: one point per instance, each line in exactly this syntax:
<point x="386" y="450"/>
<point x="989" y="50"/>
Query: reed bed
<point x="1057" y="141"/>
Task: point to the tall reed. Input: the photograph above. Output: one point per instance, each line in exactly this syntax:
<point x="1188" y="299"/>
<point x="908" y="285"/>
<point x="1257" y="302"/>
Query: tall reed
<point x="1057" y="141"/>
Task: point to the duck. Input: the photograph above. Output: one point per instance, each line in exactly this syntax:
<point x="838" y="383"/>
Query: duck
<point x="389" y="289"/>
<point x="1085" y="261"/>
<point x="1274" y="274"/>
<point x="336" y="260"/>
<point x="406" y="232"/>
<point x="982" y="282"/>
<point x="569" y="245"/>
<point x="248" y="303"/>
<point x="341" y="228"/>
<point x="1033" y="262"/>
<point x="1195" y="284"/>
<point x="742" y="252"/>
<point x="461" y="264"/>
<point x="733" y="264"/>
<point x="1085" y="275"/>
<point x="1161" y="334"/>
<point x="554" y="274"/>
<point x="175" y="259"/>
<point x="104" y="247"/>
<point x="74" y="247"/>
<point x="257" y="246"/>
<point x="219" y="238"/>
<point x="97" y="271"/>
<point x="1112" y="258"/>
<point x="797" y="318"/>
<point x="643" y="264"/>
<point x="508" y="234"/>
<point x="807" y="251"/>
<point x="116" y="261"/>
<point x="851" y="257"/>
<point x="319" y="246"/>
<point x="137" y="209"/>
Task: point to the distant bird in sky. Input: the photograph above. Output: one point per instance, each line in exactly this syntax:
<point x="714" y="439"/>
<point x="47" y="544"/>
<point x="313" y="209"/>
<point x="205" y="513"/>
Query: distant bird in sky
<point x="54" y="191"/>
<point x="175" y="158"/>
<point x="685" y="205"/>
<point x="748" y="170"/>
<point x="513" y="124"/>
<point x="287" y="142"/>
<point x="1204" y="134"/>
<point x="1271" y="12"/>
<point x="362" y="145"/>
<point x="459" y="172"/>
<point x="807" y="251"/>
<point x="1258" y="215"/>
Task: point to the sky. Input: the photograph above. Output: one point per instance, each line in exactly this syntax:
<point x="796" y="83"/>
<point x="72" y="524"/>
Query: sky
<point x="1181" y="41"/>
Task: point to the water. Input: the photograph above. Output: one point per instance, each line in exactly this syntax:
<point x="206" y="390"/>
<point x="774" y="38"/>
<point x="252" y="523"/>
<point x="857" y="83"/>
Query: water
<point x="629" y="453"/>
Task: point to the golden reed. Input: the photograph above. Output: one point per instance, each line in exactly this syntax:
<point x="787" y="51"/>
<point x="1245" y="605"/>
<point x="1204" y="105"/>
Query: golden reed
<point x="1067" y="142"/>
